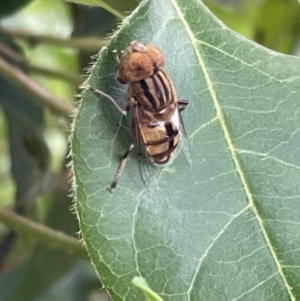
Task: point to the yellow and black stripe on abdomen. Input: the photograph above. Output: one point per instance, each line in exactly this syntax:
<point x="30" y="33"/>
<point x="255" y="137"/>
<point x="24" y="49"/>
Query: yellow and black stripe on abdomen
<point x="171" y="135"/>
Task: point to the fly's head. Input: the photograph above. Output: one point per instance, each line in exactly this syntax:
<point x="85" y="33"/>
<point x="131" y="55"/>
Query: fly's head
<point x="138" y="62"/>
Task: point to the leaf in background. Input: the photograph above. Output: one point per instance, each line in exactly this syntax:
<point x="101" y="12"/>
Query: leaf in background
<point x="11" y="279"/>
<point x="87" y="22"/>
<point x="29" y="152"/>
<point x="281" y="34"/>
<point x="74" y="286"/>
<point x="10" y="6"/>
<point x="241" y="16"/>
<point x="116" y="7"/>
<point x="47" y="19"/>
<point x="47" y="268"/>
<point x="96" y="21"/>
<point x="226" y="227"/>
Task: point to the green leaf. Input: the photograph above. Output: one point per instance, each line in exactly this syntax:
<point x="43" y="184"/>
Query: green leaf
<point x="10" y="279"/>
<point x="273" y="34"/>
<point x="116" y="7"/>
<point x="47" y="268"/>
<point x="225" y="227"/>
<point x="76" y="285"/>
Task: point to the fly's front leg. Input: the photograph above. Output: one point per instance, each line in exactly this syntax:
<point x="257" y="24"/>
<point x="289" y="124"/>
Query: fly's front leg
<point x="123" y="112"/>
<point x="116" y="56"/>
<point x="95" y="90"/>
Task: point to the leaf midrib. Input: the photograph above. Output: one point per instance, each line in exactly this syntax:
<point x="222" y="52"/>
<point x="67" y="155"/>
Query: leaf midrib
<point x="220" y="117"/>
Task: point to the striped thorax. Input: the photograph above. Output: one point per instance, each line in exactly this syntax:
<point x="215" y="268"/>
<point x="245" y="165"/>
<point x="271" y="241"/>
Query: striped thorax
<point x="155" y="92"/>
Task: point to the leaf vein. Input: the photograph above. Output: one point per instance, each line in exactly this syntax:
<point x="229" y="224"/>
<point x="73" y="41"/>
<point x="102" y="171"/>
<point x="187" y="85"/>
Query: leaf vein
<point x="221" y="118"/>
<point x="267" y="156"/>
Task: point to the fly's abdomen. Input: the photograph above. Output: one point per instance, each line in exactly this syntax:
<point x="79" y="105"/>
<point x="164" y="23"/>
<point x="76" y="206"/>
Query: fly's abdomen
<point x="160" y="140"/>
<point x="153" y="93"/>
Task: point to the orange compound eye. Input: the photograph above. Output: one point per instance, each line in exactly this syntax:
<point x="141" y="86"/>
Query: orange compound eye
<point x="135" y="66"/>
<point x="156" y="56"/>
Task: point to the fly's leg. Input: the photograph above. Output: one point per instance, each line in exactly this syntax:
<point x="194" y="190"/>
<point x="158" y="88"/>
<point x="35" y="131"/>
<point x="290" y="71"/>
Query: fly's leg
<point x="120" y="168"/>
<point x="116" y="57"/>
<point x="124" y="158"/>
<point x="182" y="104"/>
<point x="95" y="90"/>
<point x="123" y="112"/>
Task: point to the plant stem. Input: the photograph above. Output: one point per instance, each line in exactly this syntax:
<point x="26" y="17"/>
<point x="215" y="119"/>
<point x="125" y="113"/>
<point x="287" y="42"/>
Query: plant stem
<point x="53" y="238"/>
<point x="38" y="93"/>
<point x="25" y="64"/>
<point x="90" y="44"/>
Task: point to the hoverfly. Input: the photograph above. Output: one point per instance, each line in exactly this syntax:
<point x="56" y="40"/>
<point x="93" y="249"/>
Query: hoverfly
<point x="151" y="97"/>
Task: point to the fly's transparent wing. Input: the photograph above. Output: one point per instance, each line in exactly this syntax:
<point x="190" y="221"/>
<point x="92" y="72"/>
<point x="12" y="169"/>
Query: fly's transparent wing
<point x="147" y="168"/>
<point x="184" y="143"/>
